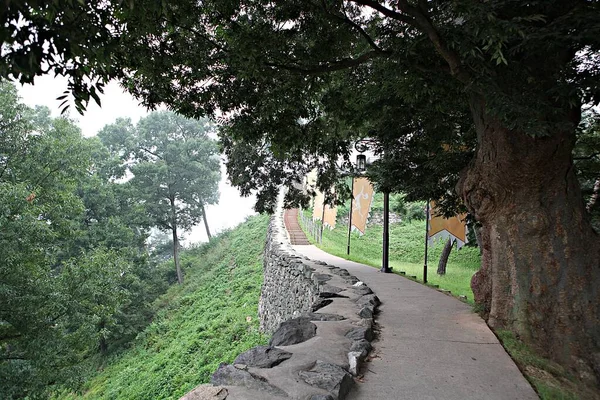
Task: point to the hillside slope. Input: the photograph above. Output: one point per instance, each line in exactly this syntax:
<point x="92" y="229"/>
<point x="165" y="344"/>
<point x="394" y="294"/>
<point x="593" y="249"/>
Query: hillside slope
<point x="210" y="319"/>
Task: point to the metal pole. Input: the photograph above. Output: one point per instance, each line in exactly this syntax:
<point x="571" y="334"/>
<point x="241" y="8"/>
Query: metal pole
<point x="386" y="233"/>
<point x="426" y="241"/>
<point x="350" y="214"/>
<point x="322" y="221"/>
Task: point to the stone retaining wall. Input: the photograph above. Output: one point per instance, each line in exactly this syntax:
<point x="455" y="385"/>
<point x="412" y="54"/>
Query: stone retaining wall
<point x="289" y="288"/>
<point x="321" y="318"/>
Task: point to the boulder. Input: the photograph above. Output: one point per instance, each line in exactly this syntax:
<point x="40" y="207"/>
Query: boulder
<point x="366" y="312"/>
<point x="228" y="375"/>
<point x="360" y="334"/>
<point x="293" y="331"/>
<point x="320" y="304"/>
<point x="368" y="299"/>
<point x="330" y="377"/>
<point x="262" y="357"/>
<point x="363" y="346"/>
<point x="362" y="290"/>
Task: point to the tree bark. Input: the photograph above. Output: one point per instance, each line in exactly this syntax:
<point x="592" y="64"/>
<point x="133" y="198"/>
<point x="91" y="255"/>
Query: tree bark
<point x="478" y="239"/>
<point x="205" y="221"/>
<point x="176" y="255"/>
<point x="540" y="274"/>
<point x="444" y="257"/>
<point x="175" y="241"/>
<point x="595" y="194"/>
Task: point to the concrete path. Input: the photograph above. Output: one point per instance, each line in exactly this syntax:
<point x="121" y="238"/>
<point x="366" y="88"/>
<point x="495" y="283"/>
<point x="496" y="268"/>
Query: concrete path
<point x="430" y="346"/>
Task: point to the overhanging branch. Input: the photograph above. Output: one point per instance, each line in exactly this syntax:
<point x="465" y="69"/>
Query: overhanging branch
<point x="344" y="19"/>
<point x="387" y="12"/>
<point x="329" y="67"/>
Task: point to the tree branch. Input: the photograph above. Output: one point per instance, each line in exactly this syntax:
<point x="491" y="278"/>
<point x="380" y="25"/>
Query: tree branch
<point x="387" y="12"/>
<point x="329" y="67"/>
<point x="418" y="18"/>
<point x="424" y="23"/>
<point x="356" y="26"/>
<point x="150" y="152"/>
<point x="12" y="358"/>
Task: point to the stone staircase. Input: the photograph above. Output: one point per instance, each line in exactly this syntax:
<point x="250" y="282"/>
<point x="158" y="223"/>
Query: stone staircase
<point x="297" y="236"/>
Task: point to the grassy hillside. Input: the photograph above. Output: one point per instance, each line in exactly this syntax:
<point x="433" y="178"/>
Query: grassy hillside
<point x="210" y="319"/>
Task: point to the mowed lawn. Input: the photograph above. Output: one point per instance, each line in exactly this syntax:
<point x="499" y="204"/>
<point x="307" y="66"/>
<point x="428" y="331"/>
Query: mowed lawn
<point x="407" y="251"/>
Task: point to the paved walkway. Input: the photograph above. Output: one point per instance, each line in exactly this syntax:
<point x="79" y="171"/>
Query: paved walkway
<point x="430" y="346"/>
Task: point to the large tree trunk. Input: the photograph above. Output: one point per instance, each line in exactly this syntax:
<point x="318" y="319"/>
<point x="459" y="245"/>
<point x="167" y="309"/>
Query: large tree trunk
<point x="444" y="257"/>
<point x="540" y="274"/>
<point x="205" y="221"/>
<point x="478" y="239"/>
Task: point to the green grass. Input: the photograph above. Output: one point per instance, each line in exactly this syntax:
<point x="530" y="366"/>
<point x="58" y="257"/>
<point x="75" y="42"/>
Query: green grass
<point x="209" y="319"/>
<point x="407" y="249"/>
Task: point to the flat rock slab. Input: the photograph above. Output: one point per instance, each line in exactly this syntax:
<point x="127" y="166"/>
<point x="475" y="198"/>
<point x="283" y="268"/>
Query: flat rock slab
<point x="320" y="304"/>
<point x="321" y="278"/>
<point x="323" y="317"/>
<point x="262" y="357"/>
<point x="228" y="375"/>
<point x="206" y="392"/>
<point x="293" y="331"/>
<point x="330" y="377"/>
<point x="331" y="289"/>
<point x="362" y="290"/>
<point x="362" y="333"/>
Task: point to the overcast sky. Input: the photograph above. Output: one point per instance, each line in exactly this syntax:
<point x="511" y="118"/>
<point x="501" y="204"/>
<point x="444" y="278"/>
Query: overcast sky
<point x="231" y="210"/>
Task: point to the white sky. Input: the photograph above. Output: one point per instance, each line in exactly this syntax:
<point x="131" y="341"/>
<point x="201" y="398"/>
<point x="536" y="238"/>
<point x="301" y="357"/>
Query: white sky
<point x="232" y="208"/>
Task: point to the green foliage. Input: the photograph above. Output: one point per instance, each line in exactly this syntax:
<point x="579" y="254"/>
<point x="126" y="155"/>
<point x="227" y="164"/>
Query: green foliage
<point x="75" y="282"/>
<point x="70" y="38"/>
<point x="209" y="319"/>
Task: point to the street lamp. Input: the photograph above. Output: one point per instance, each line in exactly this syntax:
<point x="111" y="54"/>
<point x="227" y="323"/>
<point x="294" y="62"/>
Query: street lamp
<point x="361" y="165"/>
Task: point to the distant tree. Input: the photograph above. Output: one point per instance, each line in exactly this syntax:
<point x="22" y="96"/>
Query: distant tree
<point x="175" y="169"/>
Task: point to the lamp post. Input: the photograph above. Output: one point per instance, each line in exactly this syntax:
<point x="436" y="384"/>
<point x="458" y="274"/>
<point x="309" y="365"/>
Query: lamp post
<point x="361" y="164"/>
<point x="350" y="214"/>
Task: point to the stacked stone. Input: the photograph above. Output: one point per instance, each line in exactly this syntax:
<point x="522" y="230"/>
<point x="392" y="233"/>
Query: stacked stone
<point x="288" y="289"/>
